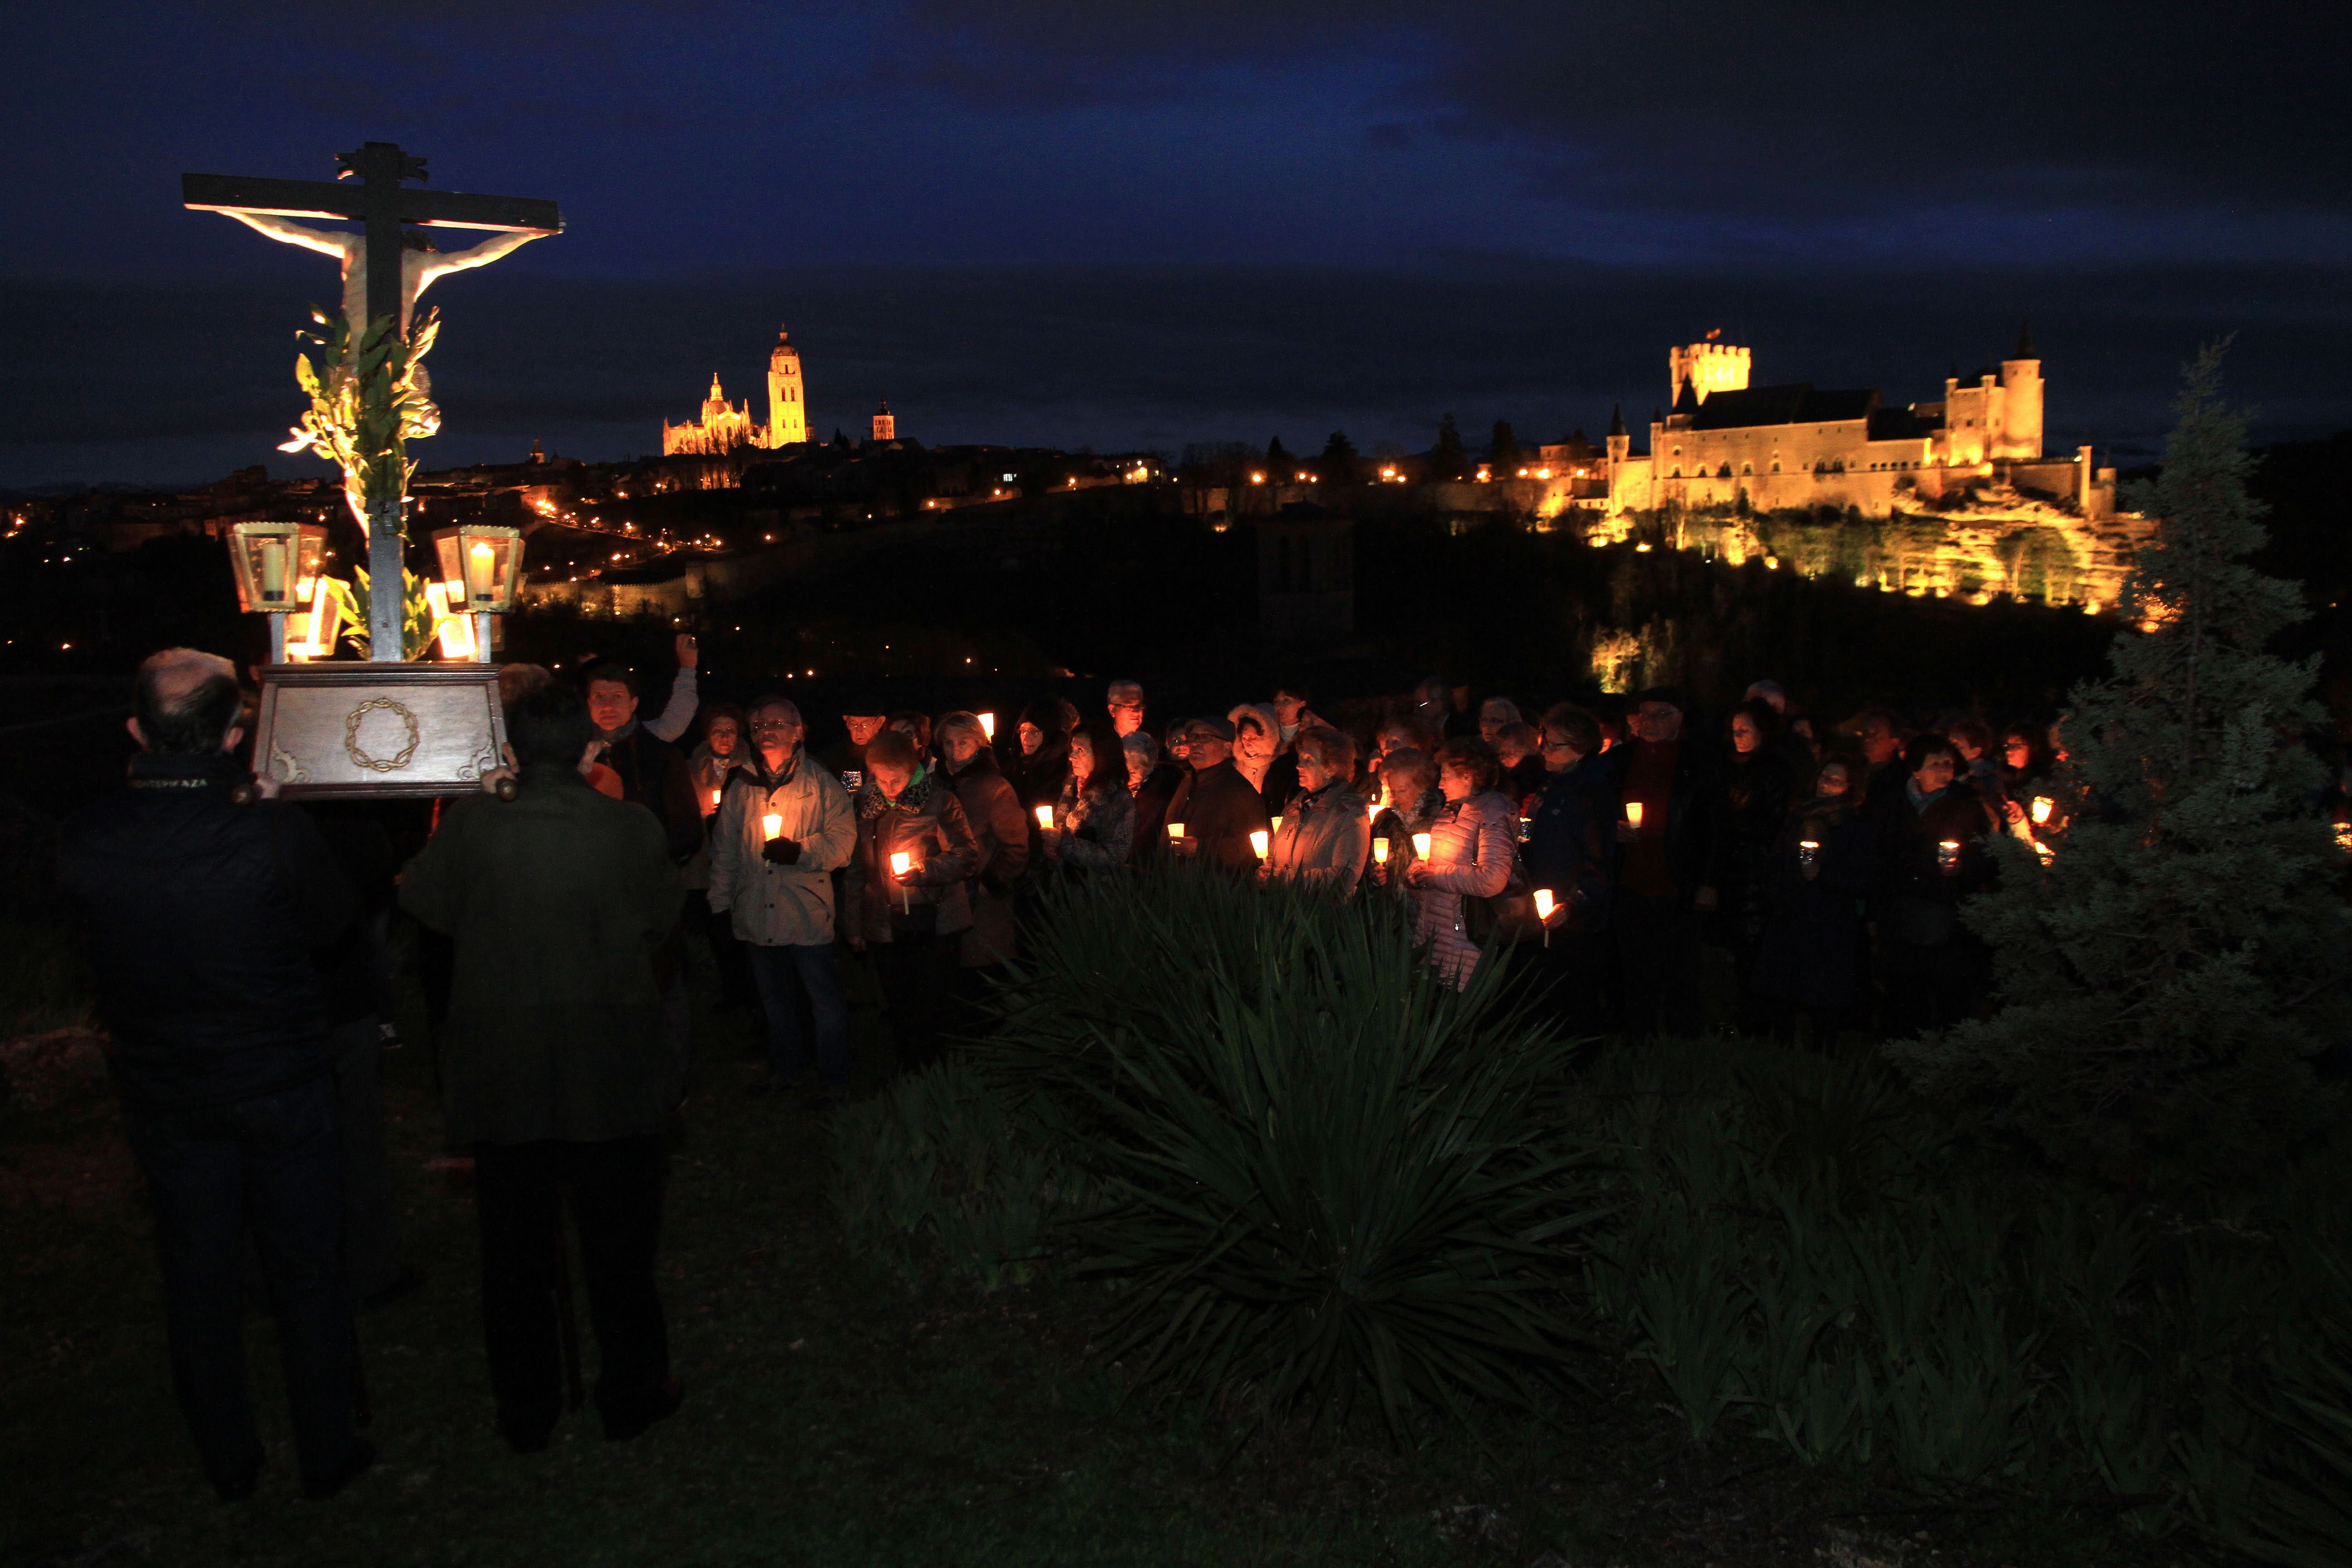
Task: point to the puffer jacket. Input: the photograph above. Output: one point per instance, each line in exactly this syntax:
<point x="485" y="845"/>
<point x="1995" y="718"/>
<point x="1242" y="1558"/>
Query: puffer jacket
<point x="780" y="906"/>
<point x="1096" y="830"/>
<point x="1473" y="846"/>
<point x="1325" y="839"/>
<point x="927" y="823"/>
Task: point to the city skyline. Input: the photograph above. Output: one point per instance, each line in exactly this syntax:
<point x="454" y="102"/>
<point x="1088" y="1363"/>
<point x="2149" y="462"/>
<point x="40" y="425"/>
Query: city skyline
<point x="1047" y="224"/>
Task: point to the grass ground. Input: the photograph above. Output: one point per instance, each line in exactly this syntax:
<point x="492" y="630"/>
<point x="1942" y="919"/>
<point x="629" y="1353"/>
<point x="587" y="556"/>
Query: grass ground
<point x="834" y="1418"/>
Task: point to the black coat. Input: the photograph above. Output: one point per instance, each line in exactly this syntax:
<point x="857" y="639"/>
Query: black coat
<point x="1220" y="809"/>
<point x="202" y="919"/>
<point x="1698" y="821"/>
<point x="1810" y="950"/>
<point x="1573" y="843"/>
<point x="654" y="775"/>
<point x="1159" y="786"/>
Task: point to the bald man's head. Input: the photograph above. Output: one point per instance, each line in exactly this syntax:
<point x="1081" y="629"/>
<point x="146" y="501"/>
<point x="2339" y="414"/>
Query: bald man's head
<point x="187" y="702"/>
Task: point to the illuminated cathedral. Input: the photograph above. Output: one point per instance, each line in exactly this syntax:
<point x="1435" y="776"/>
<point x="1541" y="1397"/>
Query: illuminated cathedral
<point x="723" y="427"/>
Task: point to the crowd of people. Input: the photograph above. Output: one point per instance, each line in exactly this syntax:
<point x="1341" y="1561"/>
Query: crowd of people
<point x="1613" y="844"/>
<point x="238" y="941"/>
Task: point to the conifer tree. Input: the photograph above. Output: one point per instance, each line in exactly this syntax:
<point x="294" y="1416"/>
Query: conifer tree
<point x="2168" y="977"/>
<point x="1337" y="464"/>
<point x="1278" y="460"/>
<point x="1503" y="450"/>
<point x="1449" y="459"/>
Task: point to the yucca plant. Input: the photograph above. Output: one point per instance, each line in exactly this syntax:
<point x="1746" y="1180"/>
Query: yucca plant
<point x="1329" y="1178"/>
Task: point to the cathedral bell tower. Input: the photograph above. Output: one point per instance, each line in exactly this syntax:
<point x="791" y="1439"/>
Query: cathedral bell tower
<point x="787" y="400"/>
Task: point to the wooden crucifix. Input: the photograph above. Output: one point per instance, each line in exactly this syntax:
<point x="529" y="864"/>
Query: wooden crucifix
<point x="383" y="275"/>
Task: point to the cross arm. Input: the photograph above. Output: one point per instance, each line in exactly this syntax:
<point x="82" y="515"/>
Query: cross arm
<point x="323" y="198"/>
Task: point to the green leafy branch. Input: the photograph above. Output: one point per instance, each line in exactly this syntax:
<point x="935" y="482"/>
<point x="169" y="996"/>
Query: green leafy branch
<point x="365" y="407"/>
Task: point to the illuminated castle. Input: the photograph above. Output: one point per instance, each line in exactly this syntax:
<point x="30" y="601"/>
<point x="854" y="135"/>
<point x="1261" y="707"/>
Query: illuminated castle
<point x="1796" y="445"/>
<point x="723" y="427"/>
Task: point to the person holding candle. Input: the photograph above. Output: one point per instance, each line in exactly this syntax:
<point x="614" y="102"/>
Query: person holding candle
<point x="906" y="900"/>
<point x="554" y="1066"/>
<point x="1474" y="846"/>
<point x="1043" y="765"/>
<point x="1670" y="866"/>
<point x="1218" y="807"/>
<point x="994" y="814"/>
<point x="720" y="751"/>
<point x="1758" y="787"/>
<point x="1931" y="857"/>
<point x="1571" y="850"/>
<point x="1807" y="963"/>
<point x="1325" y="837"/>
<point x="1409" y="801"/>
<point x="1091" y="830"/>
<point x="652" y="774"/>
<point x="775" y="878"/>
<point x="1151" y="783"/>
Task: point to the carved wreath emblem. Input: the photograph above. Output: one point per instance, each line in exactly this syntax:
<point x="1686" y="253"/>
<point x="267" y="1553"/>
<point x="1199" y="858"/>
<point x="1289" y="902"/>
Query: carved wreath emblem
<point x="359" y="755"/>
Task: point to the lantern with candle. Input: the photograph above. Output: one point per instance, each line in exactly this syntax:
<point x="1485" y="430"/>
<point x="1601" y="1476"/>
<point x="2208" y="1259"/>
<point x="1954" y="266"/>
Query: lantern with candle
<point x="480" y="565"/>
<point x="901" y="863"/>
<point x="1044" y="819"/>
<point x="1380" y="851"/>
<point x="1258" y="843"/>
<point x="1634" y="809"/>
<point x="1947" y="856"/>
<point x="771" y="827"/>
<point x="278" y="568"/>
<point x="2042" y="806"/>
<point x="1421" y="846"/>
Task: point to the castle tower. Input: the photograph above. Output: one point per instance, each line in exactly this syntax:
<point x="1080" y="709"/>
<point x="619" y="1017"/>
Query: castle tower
<point x="787" y="396"/>
<point x="886" y="428"/>
<point x="2020" y="378"/>
<point x="1620" y="443"/>
<point x="1706" y="366"/>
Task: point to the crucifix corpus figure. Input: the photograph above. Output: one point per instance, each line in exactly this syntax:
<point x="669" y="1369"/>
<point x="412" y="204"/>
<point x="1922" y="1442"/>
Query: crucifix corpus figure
<point x="386" y="266"/>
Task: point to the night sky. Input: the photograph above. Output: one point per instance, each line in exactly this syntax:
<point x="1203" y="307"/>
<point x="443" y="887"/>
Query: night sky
<point x="1145" y="224"/>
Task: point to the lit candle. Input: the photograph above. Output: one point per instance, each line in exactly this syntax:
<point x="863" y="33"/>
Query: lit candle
<point x="988" y="725"/>
<point x="1633" y="815"/>
<point x="1543" y="904"/>
<point x="273" y="574"/>
<point x="1947" y="855"/>
<point x="1276" y="824"/>
<point x="2043" y="804"/>
<point x="1808" y="850"/>
<point x="1257" y="843"/>
<point x="1175" y="831"/>
<point x="1046" y="818"/>
<point x="1421" y="846"/>
<point x="714" y="800"/>
<point x="1380" y="851"/>
<point x="901" y="863"/>
<point x="479" y="567"/>
<point x="772" y="825"/>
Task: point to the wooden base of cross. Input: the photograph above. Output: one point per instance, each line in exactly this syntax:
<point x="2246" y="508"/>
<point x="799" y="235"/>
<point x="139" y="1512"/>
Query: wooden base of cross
<point x="351" y="730"/>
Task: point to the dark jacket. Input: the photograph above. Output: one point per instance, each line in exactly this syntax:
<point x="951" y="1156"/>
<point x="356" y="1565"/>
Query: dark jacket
<point x="1220" y="809"/>
<point x="1920" y="902"/>
<point x="1697" y="828"/>
<point x="1151" y="798"/>
<point x="1757" y="789"/>
<point x="557" y="900"/>
<point x="928" y="823"/>
<point x="654" y="775"/>
<point x="1571" y="842"/>
<point x="1811" y="948"/>
<point x="203" y="920"/>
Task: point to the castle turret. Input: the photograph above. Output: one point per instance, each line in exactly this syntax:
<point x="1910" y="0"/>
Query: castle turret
<point x="2021" y="379"/>
<point x="1620" y="443"/>
<point x="787" y="394"/>
<point x="1707" y="367"/>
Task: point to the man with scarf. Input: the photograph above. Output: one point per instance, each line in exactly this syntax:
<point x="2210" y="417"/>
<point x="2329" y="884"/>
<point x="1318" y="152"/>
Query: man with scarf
<point x="779" y="886"/>
<point x="910" y="920"/>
